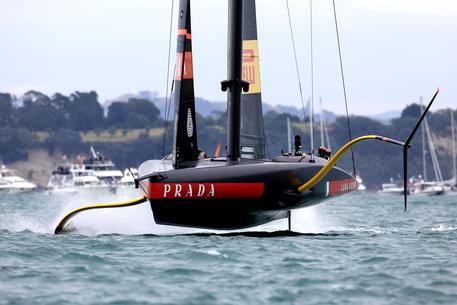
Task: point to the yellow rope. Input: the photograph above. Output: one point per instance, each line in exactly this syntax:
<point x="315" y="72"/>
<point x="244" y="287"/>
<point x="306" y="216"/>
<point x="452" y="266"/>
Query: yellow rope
<point x="73" y="213"/>
<point x="324" y="170"/>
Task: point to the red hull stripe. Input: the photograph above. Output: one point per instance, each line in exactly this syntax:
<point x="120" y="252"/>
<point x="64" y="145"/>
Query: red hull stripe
<point x="341" y="186"/>
<point x="204" y="190"/>
<point x="184" y="32"/>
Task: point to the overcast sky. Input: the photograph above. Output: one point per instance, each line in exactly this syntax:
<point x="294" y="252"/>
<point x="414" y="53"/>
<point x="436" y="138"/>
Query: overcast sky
<point x="393" y="50"/>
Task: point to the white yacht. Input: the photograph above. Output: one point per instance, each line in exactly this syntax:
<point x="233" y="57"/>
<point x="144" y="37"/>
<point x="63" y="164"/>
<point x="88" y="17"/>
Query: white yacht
<point x="72" y="178"/>
<point x="427" y="188"/>
<point x="393" y="187"/>
<point x="104" y="169"/>
<point x="11" y="182"/>
<point x="95" y="172"/>
<point x="423" y="186"/>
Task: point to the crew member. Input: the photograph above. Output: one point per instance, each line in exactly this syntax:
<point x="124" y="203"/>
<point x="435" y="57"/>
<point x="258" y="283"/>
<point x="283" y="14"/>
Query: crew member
<point x="202" y="154"/>
<point x="297" y="144"/>
<point x="324" y="153"/>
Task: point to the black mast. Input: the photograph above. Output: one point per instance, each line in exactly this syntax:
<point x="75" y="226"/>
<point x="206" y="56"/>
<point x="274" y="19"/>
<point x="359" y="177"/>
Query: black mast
<point x="185" y="146"/>
<point x="234" y="82"/>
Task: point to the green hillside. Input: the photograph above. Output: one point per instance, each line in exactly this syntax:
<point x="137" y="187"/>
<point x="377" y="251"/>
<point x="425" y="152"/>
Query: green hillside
<point x="132" y="132"/>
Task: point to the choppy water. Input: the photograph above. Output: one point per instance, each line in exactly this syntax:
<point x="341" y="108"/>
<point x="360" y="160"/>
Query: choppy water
<point x="361" y="249"/>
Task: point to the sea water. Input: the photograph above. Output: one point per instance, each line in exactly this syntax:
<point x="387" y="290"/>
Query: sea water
<point x="355" y="249"/>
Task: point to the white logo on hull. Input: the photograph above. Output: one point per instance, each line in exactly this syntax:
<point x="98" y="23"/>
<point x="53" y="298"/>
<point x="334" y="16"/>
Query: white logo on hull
<point x="177" y="191"/>
<point x="190" y="124"/>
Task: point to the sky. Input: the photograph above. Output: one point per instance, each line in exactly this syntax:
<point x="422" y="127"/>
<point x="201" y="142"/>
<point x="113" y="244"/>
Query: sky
<point x="394" y="51"/>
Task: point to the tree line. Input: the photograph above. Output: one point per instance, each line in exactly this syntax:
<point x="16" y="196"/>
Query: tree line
<point x="80" y="111"/>
<point x="64" y="118"/>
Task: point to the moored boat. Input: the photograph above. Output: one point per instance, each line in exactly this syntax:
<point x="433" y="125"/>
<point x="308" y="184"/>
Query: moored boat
<point x="393" y="187"/>
<point x="426" y="188"/>
<point x="103" y="168"/>
<point x="84" y="174"/>
<point x="11" y="182"/>
<point x="72" y="178"/>
<point x="423" y="186"/>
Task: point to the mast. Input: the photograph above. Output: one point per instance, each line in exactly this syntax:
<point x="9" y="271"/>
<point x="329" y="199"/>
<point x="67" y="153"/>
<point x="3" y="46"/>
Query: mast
<point x="321" y="119"/>
<point x="329" y="146"/>
<point x="185" y="146"/>
<point x="289" y="137"/>
<point x="234" y="82"/>
<point x="436" y="166"/>
<point x="311" y="127"/>
<point x="424" y="165"/>
<point x="453" y="147"/>
<point x="311" y="104"/>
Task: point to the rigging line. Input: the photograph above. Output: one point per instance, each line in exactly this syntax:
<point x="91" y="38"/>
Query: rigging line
<point x="436" y="166"/>
<point x="344" y="86"/>
<point x="296" y="62"/>
<point x="453" y="146"/>
<point x="329" y="146"/>
<point x="321" y="122"/>
<point x="167" y="106"/>
<point x="311" y="104"/>
<point x="424" y="164"/>
<point x="326" y="138"/>
<point x="289" y="137"/>
<point x="171" y="93"/>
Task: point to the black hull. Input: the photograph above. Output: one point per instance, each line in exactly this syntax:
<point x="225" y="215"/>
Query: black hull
<point x="202" y="216"/>
<point x="217" y="194"/>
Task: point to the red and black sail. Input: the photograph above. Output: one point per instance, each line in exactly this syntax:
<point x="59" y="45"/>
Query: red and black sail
<point x="185" y="146"/>
<point x="252" y="131"/>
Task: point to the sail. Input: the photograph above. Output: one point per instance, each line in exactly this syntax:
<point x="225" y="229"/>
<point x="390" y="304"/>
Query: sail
<point x="185" y="133"/>
<point x="252" y="132"/>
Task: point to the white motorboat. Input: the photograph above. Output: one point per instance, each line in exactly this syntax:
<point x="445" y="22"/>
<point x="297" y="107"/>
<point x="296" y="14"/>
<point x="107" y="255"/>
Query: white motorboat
<point x="392" y="188"/>
<point x="72" y="178"/>
<point x="11" y="182"/>
<point x="104" y="169"/>
<point x="95" y="172"/>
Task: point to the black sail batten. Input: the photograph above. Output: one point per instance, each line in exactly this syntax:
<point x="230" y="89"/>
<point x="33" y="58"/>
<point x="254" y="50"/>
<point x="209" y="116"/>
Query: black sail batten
<point x="252" y="140"/>
<point x="185" y="146"/>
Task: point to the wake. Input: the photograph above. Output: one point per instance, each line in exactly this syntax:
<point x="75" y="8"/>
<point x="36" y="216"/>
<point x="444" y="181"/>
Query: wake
<point x="40" y="213"/>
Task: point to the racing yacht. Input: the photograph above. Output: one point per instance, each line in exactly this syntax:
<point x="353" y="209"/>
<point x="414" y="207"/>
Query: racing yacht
<point x="243" y="188"/>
